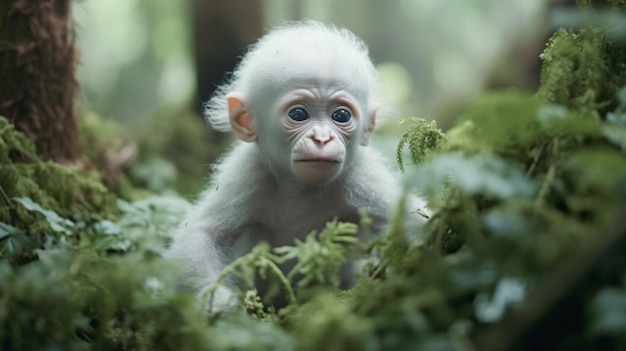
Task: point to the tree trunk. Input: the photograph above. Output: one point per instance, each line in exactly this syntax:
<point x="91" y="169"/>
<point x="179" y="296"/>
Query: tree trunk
<point x="37" y="82"/>
<point x="222" y="30"/>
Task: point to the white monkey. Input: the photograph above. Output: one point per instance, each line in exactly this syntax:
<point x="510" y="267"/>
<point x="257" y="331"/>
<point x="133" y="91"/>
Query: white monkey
<point x="303" y="102"/>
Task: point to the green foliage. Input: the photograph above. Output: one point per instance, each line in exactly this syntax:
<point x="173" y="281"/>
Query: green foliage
<point x="82" y="294"/>
<point x="421" y="138"/>
<point x="519" y="186"/>
<point x="608" y="309"/>
<point x="56" y="222"/>
<point x="566" y="76"/>
<point x="504" y="122"/>
<point x="81" y="300"/>
<point x="33" y="192"/>
<point x="522" y="184"/>
<point x="148" y="222"/>
<point x="483" y="174"/>
<point x="46" y="205"/>
<point x="242" y="333"/>
<point x="320" y="256"/>
<point x="318" y="260"/>
<point x="58" y="187"/>
<point x="618" y="4"/>
<point x="328" y="323"/>
<point x="14" y="142"/>
<point x="76" y="297"/>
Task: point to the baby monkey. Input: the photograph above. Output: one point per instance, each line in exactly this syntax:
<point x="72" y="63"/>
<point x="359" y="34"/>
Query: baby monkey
<point x="302" y="102"/>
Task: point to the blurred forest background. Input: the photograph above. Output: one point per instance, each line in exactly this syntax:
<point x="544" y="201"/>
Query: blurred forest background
<point x="140" y="56"/>
<point x="149" y="65"/>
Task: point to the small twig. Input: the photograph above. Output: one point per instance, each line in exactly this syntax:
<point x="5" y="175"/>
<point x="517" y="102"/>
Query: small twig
<point x="377" y="270"/>
<point x="284" y="281"/>
<point x="536" y="159"/>
<point x="549" y="177"/>
<point x="545" y="186"/>
<point x="5" y="197"/>
<point x="420" y="212"/>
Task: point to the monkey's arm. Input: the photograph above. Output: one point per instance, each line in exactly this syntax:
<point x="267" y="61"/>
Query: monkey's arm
<point x="205" y="240"/>
<point x="195" y="248"/>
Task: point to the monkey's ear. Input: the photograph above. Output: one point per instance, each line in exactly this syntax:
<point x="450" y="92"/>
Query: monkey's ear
<point x="240" y="118"/>
<point x="369" y="128"/>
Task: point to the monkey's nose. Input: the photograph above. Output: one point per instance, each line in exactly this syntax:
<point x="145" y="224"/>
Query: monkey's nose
<point x="321" y="140"/>
<point x="321" y="136"/>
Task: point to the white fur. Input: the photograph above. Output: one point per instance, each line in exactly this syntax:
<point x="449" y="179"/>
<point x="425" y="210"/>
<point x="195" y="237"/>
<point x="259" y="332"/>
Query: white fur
<point x="270" y="56"/>
<point x="252" y="197"/>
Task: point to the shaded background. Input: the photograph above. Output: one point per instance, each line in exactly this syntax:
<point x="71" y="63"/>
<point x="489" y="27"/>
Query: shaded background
<point x="140" y="55"/>
<point x="150" y="64"/>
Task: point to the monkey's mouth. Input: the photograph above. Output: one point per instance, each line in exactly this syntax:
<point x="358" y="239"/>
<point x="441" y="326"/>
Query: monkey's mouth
<point x="319" y="160"/>
<point x="318" y="169"/>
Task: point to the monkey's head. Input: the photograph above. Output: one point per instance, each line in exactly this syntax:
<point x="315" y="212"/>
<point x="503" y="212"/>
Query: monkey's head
<point x="307" y="94"/>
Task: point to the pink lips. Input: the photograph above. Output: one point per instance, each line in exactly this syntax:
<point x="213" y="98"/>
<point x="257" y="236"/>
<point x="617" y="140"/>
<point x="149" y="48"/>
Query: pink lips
<point x="320" y="160"/>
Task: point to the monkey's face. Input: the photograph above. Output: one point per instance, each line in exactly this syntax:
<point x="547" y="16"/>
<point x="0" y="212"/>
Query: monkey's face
<point x="320" y="125"/>
<point x="308" y="124"/>
<point x="307" y="129"/>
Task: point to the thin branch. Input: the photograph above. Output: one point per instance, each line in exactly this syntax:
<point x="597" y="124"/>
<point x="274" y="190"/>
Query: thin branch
<point x="5" y="197"/>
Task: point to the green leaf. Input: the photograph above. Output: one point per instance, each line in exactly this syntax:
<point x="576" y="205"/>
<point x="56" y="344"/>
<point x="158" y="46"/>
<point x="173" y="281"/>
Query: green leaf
<point x="608" y="309"/>
<point x="480" y="174"/>
<point x="618" y="119"/>
<point x="7" y="229"/>
<point x="600" y="169"/>
<point x="509" y="291"/>
<point x="57" y="223"/>
<point x="104" y="227"/>
<point x="14" y="242"/>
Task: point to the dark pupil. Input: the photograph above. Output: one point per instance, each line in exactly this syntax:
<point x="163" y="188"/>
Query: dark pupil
<point x="298" y="114"/>
<point x="341" y="116"/>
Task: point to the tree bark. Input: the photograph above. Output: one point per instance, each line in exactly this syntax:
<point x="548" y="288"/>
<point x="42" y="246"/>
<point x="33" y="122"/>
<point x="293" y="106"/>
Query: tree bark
<point x="37" y="81"/>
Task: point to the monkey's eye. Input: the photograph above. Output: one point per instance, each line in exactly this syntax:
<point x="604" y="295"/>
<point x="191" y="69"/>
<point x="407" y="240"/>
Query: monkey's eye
<point x="298" y="114"/>
<point x="341" y="116"/>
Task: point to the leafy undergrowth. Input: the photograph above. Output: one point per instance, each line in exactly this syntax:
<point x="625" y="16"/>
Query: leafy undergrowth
<point x="524" y="249"/>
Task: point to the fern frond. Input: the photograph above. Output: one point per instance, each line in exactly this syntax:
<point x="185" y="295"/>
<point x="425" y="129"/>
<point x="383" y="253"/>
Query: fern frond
<point x="422" y="137"/>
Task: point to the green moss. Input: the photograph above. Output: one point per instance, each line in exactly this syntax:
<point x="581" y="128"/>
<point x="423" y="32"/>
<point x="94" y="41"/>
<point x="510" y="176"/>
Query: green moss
<point x="56" y="187"/>
<point x="583" y="71"/>
<point x="618" y="4"/>
<point x="327" y="323"/>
